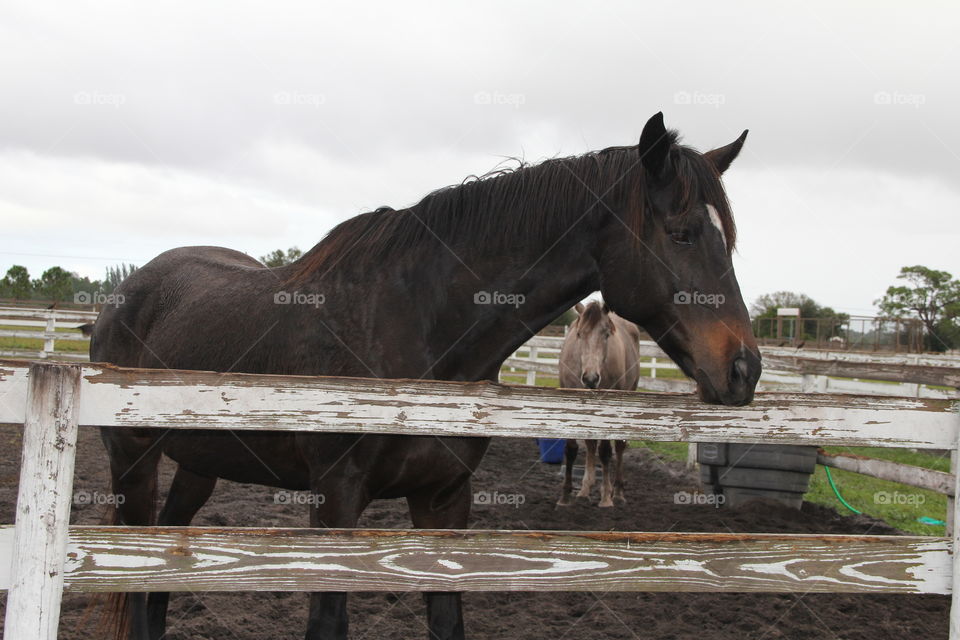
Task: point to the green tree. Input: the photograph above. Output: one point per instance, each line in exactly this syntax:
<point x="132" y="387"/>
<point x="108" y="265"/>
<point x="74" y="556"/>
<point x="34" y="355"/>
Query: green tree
<point x="116" y="275"/>
<point x="17" y="283"/>
<point x="766" y="306"/>
<point x="280" y="259"/>
<point x="56" y="283"/>
<point x="932" y="296"/>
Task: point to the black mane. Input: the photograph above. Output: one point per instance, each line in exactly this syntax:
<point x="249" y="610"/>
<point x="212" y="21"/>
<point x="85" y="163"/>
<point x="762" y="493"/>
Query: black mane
<point x="529" y="203"/>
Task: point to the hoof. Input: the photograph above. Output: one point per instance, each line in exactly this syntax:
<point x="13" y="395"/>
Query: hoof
<point x="564" y="502"/>
<point x="606" y="505"/>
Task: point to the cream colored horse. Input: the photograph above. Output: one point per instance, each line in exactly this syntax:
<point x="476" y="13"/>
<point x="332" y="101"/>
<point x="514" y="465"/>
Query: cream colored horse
<point x="601" y="351"/>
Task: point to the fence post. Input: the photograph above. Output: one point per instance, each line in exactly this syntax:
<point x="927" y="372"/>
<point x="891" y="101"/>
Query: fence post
<point x="815" y="384"/>
<point x="653" y="367"/>
<point x="531" y="374"/>
<point x="691" y="456"/>
<point x="955" y="578"/>
<point x="951" y="507"/>
<point x="48" y="347"/>
<point x="43" y="502"/>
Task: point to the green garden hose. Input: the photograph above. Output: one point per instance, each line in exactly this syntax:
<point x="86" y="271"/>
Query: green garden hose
<point x="921" y="520"/>
<point x="837" y="492"/>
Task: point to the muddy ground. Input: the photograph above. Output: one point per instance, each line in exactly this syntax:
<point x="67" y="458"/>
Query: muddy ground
<point x="510" y="467"/>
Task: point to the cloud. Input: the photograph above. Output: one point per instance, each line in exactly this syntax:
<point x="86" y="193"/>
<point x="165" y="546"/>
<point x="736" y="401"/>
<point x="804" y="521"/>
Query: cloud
<point x="126" y="130"/>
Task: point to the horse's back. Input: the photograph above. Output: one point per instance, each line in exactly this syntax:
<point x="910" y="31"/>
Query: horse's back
<point x="158" y="292"/>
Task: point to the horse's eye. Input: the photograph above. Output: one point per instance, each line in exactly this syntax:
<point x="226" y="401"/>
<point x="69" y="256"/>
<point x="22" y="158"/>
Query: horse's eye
<point x="680" y="237"/>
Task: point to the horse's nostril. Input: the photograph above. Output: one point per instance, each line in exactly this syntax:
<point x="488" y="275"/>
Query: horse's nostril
<point x="590" y="380"/>
<point x="740" y="369"/>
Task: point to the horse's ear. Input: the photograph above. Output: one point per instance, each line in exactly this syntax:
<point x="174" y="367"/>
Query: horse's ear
<point x="723" y="157"/>
<point x="655" y="143"/>
<point x="578" y="308"/>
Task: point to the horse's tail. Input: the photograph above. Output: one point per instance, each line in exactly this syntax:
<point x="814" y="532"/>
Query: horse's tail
<point x="114" y="619"/>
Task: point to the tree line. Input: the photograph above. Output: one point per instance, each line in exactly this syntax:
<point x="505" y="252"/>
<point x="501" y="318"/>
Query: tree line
<point x="56" y="284"/>
<point x="928" y="295"/>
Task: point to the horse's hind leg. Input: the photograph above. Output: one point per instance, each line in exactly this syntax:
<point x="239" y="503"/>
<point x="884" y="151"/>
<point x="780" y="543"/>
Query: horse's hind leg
<point x="569" y="457"/>
<point x="188" y="493"/>
<point x="618" y="496"/>
<point x="133" y="468"/>
<point x="589" y="469"/>
<point x="606" y="487"/>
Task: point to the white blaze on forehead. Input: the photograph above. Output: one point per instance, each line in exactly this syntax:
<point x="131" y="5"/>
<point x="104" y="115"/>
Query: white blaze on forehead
<point x="715" y="219"/>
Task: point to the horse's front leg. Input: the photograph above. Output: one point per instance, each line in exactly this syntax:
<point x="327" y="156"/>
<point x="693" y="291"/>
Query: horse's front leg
<point x="589" y="469"/>
<point x="446" y="507"/>
<point x="338" y="505"/>
<point x="618" y="495"/>
<point x="606" y="487"/>
<point x="569" y="458"/>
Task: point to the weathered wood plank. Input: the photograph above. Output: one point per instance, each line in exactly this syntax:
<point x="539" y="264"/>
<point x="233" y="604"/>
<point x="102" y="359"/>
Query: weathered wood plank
<point x="929" y="479"/>
<point x="549" y="367"/>
<point x="43" y="503"/>
<point x="14" y="380"/>
<point x="183" y="400"/>
<point x="196" y="399"/>
<point x="59" y="314"/>
<point x="955" y="569"/>
<point x="847" y="366"/>
<point x="667" y="385"/>
<point x="651" y="349"/>
<point x="43" y="335"/>
<point x="54" y="356"/>
<point x="6" y="555"/>
<point x="201" y="559"/>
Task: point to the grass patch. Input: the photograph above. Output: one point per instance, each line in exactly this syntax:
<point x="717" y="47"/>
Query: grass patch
<point x="896" y="504"/>
<point x="36" y="344"/>
<point x="676" y="451"/>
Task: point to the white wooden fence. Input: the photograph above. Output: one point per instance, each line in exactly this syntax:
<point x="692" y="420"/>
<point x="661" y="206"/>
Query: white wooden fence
<point x="783" y="370"/>
<point x="49" y="320"/>
<point x="53" y="400"/>
<point x="908" y="375"/>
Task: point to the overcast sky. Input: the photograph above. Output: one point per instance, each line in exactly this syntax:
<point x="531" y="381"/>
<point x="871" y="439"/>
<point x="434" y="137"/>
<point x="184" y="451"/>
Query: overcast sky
<point x="129" y="129"/>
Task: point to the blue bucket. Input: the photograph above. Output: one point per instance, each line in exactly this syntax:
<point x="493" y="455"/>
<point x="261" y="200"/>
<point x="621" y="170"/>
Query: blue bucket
<point x="551" y="450"/>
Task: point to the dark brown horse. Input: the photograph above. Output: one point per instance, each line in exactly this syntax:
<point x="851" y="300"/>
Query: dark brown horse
<point x="446" y="289"/>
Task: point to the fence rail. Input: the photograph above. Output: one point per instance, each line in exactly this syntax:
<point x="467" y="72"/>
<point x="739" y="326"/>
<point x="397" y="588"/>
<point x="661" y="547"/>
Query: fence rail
<point x="54" y="400"/>
<point x="48" y="319"/>
<point x="784" y="368"/>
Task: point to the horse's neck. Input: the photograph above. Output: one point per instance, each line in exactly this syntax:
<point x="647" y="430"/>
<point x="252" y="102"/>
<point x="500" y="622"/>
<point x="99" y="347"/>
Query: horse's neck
<point x="452" y="313"/>
<point x="498" y="320"/>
